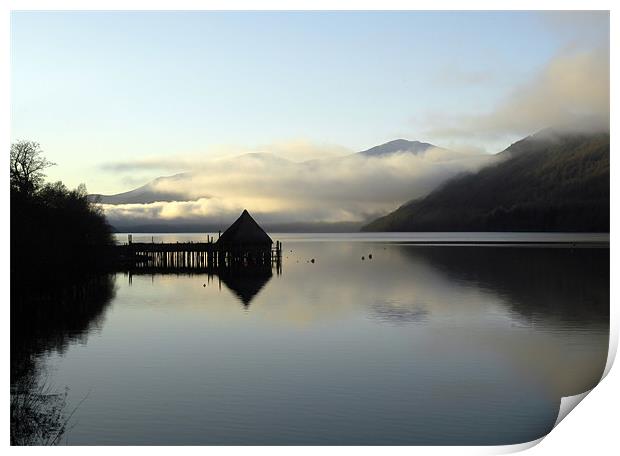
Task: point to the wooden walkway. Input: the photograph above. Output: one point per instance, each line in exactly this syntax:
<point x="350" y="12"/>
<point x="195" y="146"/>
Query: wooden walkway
<point x="196" y="256"/>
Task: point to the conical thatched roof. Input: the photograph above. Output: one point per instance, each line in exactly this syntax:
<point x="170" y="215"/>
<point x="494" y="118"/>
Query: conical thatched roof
<point x="245" y="230"/>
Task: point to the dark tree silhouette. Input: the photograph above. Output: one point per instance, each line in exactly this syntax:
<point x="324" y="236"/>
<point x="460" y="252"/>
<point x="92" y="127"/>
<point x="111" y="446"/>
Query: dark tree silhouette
<point x="60" y="245"/>
<point x="27" y="166"/>
<point x="54" y="231"/>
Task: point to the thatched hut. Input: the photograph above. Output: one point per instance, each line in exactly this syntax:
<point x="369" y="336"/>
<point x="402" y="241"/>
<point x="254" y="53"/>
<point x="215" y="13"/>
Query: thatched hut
<point x="245" y="240"/>
<point x="245" y="233"/>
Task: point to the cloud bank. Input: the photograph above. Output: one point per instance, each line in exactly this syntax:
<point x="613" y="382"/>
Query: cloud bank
<point x="572" y="87"/>
<point x="571" y="90"/>
<point x="277" y="190"/>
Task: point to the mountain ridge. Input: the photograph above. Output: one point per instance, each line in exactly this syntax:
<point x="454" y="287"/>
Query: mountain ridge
<point x="145" y="194"/>
<point x="148" y="193"/>
<point x="395" y="146"/>
<point x="549" y="181"/>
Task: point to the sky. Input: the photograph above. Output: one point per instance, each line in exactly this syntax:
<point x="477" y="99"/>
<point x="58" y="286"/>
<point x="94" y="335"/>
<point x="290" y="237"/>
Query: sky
<point x="118" y="98"/>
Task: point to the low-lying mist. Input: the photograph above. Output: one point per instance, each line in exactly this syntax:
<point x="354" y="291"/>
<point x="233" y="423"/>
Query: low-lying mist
<point x="275" y="190"/>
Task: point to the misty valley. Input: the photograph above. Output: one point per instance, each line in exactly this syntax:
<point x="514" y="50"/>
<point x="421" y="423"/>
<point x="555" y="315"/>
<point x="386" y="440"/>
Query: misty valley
<point x="554" y="180"/>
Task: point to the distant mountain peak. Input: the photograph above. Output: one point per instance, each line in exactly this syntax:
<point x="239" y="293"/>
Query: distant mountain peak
<point x="146" y="194"/>
<point x="162" y="189"/>
<point x="552" y="181"/>
<point x="397" y="145"/>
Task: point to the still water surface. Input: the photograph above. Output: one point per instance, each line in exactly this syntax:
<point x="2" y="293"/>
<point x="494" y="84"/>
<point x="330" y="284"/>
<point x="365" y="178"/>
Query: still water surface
<point x="418" y="345"/>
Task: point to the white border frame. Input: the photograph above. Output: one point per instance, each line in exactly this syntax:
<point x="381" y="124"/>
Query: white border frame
<point x="592" y="428"/>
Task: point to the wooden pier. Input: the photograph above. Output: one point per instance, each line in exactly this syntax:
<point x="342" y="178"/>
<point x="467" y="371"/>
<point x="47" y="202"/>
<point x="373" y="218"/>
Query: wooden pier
<point x="242" y="247"/>
<point x="196" y="256"/>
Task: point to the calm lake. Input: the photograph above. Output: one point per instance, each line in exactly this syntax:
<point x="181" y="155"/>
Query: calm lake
<point x="419" y="344"/>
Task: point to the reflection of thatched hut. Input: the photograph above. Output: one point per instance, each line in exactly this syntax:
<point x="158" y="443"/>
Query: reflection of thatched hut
<point x="245" y="237"/>
<point x="246" y="283"/>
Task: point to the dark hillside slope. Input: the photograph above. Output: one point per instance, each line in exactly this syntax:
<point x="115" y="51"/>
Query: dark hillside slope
<point x="549" y="181"/>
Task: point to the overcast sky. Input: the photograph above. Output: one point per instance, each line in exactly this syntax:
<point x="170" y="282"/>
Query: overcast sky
<point x="101" y="88"/>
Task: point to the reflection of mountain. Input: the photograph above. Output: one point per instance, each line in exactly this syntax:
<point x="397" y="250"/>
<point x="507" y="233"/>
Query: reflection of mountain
<point x="566" y="285"/>
<point x="246" y="284"/>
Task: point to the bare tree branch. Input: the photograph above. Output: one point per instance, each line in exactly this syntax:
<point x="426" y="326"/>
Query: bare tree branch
<point x="27" y="166"/>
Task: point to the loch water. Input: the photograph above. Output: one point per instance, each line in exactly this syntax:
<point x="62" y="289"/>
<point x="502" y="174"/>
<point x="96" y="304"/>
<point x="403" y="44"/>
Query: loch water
<point x="378" y="341"/>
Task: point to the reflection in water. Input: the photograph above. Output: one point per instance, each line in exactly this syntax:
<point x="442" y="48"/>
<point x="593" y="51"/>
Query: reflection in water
<point x="45" y="318"/>
<point x="559" y="292"/>
<point x="566" y="285"/>
<point x="416" y="345"/>
<point x="38" y="415"/>
<point x="246" y="284"/>
<point x="52" y="316"/>
<point x="397" y="313"/>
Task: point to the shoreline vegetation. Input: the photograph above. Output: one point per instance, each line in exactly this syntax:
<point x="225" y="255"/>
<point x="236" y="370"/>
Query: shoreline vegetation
<point x="59" y="287"/>
<point x="55" y="232"/>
